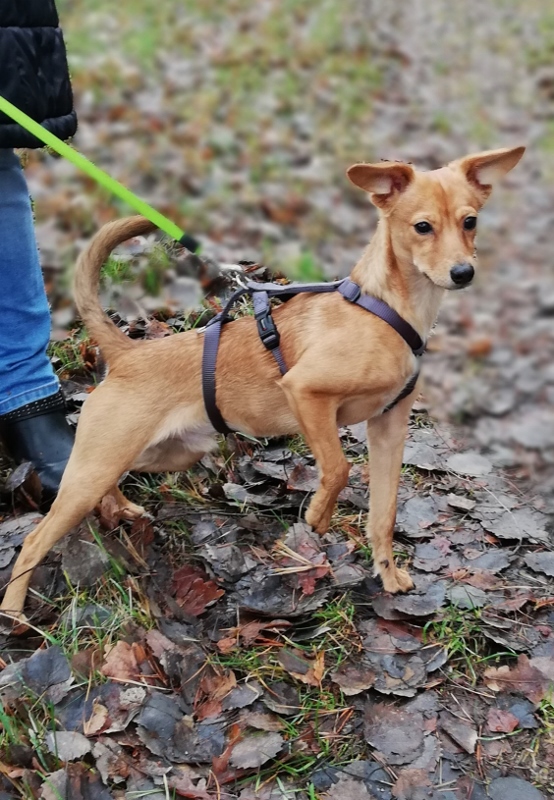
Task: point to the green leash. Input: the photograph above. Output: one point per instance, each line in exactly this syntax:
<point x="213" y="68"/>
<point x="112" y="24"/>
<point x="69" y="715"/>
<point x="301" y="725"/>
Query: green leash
<point x="98" y="175"/>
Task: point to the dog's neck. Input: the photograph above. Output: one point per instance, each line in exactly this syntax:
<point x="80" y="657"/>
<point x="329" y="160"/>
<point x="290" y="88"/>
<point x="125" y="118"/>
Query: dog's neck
<point x="382" y="273"/>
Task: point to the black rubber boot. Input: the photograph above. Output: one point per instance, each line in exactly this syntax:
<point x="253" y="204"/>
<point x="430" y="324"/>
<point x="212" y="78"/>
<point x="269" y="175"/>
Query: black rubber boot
<point x="39" y="432"/>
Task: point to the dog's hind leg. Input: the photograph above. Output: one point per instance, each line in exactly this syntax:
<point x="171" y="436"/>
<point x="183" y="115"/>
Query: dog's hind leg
<point x="387" y="435"/>
<point x="102" y="452"/>
<point x="167" y="456"/>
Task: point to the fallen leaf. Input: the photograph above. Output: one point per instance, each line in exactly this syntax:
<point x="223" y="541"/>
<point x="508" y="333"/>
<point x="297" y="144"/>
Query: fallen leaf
<point x="514" y="789"/>
<point x="353" y="678"/>
<point x="194" y="591"/>
<point x="46" y="673"/>
<point x="187" y="782"/>
<point x="84" y="561"/>
<point x="397" y="733"/>
<point x="408" y="780"/>
<point x="242" y="696"/>
<point x="417" y="515"/>
<point x="167" y="731"/>
<point x="470" y="463"/>
<point x="420" y="602"/>
<point x="309" y="671"/>
<point x="155" y="329"/>
<point x="467" y="597"/>
<point x="249" y="632"/>
<point x="300" y="549"/>
<point x="109" y="512"/>
<point x="86" y="662"/>
<point x="460" y="503"/>
<point x="67" y="745"/>
<point x="499" y="721"/>
<point x="261" y="721"/>
<point x="541" y="562"/>
<point x="97" y="720"/>
<point x="282" y="698"/>
<point x="523" y="712"/>
<point x="463" y="732"/>
<point x="347" y="788"/>
<point x="212" y="689"/>
<point x="75" y="781"/>
<point x="274" y="596"/>
<point x="523" y="678"/>
<point x="522" y="523"/>
<point x="255" y="749"/>
<point x="120" y="663"/>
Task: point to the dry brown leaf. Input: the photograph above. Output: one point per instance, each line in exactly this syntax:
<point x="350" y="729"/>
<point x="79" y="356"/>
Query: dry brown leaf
<point x="98" y="720"/>
<point x="155" y="329"/>
<point x="109" y="512"/>
<point x="353" y="678"/>
<point x="120" y="663"/>
<point x="86" y="661"/>
<point x="408" y="780"/>
<point x="261" y="721"/>
<point x="523" y="678"/>
<point x="306" y="670"/>
<point x="211" y="691"/>
<point x="194" y="591"/>
<point x="499" y="721"/>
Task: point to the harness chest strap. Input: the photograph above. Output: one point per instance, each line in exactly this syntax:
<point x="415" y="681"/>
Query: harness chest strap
<point x="269" y="335"/>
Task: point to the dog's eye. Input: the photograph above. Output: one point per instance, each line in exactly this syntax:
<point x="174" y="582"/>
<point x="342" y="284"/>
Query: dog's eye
<point x="470" y="223"/>
<point x="423" y="227"/>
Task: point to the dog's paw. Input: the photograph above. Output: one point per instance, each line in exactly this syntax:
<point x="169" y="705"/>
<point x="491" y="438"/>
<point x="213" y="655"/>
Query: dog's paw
<point x="319" y="522"/>
<point x="396" y="580"/>
<point x="13" y="623"/>
<point x="133" y="511"/>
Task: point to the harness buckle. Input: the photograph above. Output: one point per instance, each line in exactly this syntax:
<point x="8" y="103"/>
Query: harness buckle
<point x="350" y="291"/>
<point x="267" y="331"/>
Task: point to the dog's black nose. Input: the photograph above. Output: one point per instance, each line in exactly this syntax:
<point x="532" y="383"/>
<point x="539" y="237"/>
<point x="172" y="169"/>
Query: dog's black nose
<point x="462" y="274"/>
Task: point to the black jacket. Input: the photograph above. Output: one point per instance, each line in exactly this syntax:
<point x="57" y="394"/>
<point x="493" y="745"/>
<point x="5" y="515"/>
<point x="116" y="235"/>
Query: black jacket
<point x="33" y="71"/>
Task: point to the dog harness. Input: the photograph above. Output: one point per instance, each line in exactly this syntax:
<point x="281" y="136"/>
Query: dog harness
<point x="261" y="294"/>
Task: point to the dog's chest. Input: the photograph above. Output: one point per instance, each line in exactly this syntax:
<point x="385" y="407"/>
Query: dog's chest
<point x="364" y="407"/>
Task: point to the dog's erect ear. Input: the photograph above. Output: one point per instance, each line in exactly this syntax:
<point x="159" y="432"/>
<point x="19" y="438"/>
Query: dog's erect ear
<point x="482" y="170"/>
<point x="384" y="182"/>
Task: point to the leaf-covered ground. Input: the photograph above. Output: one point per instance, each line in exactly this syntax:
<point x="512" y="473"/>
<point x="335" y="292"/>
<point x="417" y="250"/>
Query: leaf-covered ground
<point x="221" y="649"/>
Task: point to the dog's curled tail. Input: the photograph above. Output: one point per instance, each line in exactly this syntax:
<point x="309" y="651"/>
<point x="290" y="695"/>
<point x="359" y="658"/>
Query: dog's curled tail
<point x="87" y="276"/>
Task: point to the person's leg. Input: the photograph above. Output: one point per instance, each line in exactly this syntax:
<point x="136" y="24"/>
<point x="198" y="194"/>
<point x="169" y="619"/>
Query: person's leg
<point x="32" y="420"/>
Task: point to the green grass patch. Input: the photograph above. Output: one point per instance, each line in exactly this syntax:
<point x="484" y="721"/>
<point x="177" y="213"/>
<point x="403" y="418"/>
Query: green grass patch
<point x="460" y="631"/>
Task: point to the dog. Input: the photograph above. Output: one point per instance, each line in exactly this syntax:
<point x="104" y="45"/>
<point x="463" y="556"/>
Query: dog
<point x="345" y="365"/>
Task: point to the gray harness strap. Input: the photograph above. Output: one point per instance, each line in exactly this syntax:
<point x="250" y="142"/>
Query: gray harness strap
<point x="269" y="335"/>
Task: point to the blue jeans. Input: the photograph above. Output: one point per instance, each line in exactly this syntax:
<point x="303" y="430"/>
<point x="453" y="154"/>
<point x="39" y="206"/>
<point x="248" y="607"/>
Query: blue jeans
<point x="26" y="373"/>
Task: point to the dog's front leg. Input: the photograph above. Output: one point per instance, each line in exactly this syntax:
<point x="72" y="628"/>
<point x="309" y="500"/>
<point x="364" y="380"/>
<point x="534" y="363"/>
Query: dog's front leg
<point x="387" y="435"/>
<point x="317" y="415"/>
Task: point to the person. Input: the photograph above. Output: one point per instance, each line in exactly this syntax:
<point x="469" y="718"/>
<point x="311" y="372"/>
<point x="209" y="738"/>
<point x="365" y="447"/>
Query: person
<point x="34" y="76"/>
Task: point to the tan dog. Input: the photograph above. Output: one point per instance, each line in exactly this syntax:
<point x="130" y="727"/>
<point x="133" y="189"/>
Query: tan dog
<point x="345" y="365"/>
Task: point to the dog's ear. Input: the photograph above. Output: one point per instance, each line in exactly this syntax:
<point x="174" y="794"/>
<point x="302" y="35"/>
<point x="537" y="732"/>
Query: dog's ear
<point x="384" y="182"/>
<point x="482" y="170"/>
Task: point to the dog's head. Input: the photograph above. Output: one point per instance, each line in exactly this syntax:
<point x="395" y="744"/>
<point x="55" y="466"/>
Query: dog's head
<point x="432" y="216"/>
